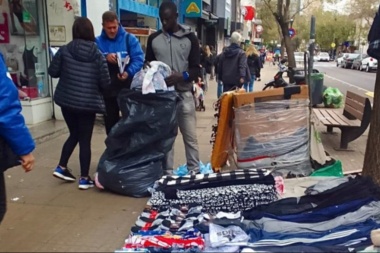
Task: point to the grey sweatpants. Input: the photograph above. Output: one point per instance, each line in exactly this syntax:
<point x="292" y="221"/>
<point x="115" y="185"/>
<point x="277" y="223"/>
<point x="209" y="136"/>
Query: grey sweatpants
<point x="188" y="126"/>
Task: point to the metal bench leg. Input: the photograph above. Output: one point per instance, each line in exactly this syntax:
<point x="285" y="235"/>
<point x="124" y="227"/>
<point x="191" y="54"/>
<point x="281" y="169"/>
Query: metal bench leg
<point x="329" y="129"/>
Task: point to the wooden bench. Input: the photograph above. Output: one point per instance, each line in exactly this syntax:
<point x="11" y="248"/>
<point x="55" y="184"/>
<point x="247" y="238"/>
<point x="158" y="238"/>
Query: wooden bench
<point x="352" y="123"/>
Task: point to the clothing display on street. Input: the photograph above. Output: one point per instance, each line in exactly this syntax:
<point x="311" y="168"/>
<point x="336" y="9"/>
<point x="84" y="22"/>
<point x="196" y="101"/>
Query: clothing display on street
<point x="228" y="192"/>
<point x="334" y="215"/>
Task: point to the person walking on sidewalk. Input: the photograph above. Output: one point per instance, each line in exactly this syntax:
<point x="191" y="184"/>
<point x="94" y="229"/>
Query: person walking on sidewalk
<point x="113" y="40"/>
<point x="218" y="81"/>
<point x="232" y="66"/>
<point x="178" y="47"/>
<point x="16" y="143"/>
<point x="213" y="52"/>
<point x="254" y="65"/>
<point x="83" y="75"/>
<point x="206" y="62"/>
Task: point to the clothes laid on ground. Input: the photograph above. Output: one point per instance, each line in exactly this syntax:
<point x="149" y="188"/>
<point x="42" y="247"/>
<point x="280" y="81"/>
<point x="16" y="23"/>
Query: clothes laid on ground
<point x="354" y="189"/>
<point x="227" y="192"/>
<point x="333" y="219"/>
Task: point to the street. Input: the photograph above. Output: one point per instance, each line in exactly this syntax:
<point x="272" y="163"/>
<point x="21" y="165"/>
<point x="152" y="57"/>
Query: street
<point x="362" y="83"/>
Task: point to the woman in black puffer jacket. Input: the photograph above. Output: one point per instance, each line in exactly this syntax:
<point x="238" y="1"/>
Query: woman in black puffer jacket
<point x="83" y="74"/>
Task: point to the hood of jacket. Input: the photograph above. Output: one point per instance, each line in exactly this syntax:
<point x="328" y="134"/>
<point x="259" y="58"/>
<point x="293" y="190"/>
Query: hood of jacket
<point x="182" y="32"/>
<point x="82" y="50"/>
<point x="232" y="50"/>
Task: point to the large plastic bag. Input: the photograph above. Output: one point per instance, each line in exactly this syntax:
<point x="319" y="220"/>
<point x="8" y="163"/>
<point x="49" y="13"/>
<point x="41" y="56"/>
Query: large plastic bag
<point x="332" y="98"/>
<point x="137" y="144"/>
<point x="274" y="135"/>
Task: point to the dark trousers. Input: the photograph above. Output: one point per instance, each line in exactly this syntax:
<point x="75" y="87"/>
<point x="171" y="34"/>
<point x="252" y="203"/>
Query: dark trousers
<point x="112" y="113"/>
<point x="81" y="125"/>
<point x="3" y="199"/>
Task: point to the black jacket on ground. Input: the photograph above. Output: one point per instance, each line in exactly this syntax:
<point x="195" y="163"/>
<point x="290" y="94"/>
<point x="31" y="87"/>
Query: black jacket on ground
<point x="83" y="75"/>
<point x="232" y="65"/>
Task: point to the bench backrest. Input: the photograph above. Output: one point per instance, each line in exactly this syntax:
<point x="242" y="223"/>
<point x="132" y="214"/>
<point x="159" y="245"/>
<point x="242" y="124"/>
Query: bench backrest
<point x="354" y="106"/>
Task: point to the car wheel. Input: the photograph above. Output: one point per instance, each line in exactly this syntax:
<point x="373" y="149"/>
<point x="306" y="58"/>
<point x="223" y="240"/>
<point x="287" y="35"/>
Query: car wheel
<point x="352" y="66"/>
<point x="337" y="64"/>
<point x="361" y="67"/>
<point x="367" y="68"/>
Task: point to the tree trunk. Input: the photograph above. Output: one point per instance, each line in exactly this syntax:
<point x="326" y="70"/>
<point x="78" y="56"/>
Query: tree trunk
<point x="289" y="50"/>
<point x="371" y="166"/>
<point x="282" y="47"/>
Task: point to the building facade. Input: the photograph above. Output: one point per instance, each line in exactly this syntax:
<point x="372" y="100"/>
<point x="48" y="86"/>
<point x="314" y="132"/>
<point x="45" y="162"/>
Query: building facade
<point x="31" y="30"/>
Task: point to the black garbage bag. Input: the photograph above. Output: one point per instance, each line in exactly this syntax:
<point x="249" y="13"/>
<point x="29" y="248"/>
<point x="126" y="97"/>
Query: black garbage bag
<point x="137" y="144"/>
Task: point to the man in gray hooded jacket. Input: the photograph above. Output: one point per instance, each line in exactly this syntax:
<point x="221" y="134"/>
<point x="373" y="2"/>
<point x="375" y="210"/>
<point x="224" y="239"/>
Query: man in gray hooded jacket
<point x="178" y="47"/>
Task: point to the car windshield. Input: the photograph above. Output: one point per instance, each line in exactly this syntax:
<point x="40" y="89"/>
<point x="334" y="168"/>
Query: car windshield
<point x="324" y="54"/>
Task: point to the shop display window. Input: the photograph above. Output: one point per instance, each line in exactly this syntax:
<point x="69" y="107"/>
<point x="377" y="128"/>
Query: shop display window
<point x="23" y="43"/>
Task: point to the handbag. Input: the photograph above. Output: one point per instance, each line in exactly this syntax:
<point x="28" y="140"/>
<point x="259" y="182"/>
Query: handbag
<point x="8" y="158"/>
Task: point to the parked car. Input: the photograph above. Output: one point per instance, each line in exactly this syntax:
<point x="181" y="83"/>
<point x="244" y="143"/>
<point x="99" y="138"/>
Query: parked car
<point x="340" y="59"/>
<point x="347" y="61"/>
<point x="358" y="61"/>
<point x="316" y="58"/>
<point x="324" y="56"/>
<point x="368" y="64"/>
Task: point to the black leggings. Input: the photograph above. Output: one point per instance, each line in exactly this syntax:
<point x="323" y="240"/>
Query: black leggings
<point x="112" y="113"/>
<point x="81" y="125"/>
<point x="3" y="199"/>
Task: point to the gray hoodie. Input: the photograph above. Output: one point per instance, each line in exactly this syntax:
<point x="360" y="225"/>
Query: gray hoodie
<point x="179" y="50"/>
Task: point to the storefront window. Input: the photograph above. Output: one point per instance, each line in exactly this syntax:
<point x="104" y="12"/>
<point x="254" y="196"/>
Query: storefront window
<point x="23" y="44"/>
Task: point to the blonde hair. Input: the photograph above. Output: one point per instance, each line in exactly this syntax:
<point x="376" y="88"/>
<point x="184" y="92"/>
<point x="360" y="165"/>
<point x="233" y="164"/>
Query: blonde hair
<point x="251" y="50"/>
<point x="207" y="50"/>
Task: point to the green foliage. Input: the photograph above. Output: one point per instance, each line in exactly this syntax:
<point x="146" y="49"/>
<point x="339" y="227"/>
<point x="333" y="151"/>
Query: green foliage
<point x="271" y="31"/>
<point x="330" y="27"/>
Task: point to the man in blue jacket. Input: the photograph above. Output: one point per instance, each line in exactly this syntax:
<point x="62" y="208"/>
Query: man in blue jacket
<point x="114" y="39"/>
<point x="14" y="135"/>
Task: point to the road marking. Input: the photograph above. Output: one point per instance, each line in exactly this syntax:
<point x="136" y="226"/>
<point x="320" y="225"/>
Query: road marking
<point x="367" y="92"/>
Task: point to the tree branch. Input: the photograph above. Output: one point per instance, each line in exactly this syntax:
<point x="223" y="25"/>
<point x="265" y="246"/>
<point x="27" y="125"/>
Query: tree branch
<point x="279" y="7"/>
<point x="268" y="4"/>
<point x="305" y="6"/>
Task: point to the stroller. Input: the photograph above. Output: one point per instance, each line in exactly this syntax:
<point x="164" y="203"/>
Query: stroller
<point x="198" y="91"/>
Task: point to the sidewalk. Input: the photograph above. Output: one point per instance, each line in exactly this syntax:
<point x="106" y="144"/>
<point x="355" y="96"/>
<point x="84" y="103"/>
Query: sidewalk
<point x="47" y="215"/>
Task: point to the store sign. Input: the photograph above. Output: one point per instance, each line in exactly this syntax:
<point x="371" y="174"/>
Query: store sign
<point x="333" y="45"/>
<point x="193" y="8"/>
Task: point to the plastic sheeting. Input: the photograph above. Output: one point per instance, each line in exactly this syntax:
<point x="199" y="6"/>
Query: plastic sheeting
<point x="274" y="135"/>
<point x="137" y="144"/>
